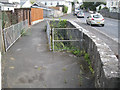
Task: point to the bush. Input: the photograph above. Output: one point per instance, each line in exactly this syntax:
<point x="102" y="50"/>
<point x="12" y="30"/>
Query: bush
<point x="65" y="9"/>
<point x="105" y="8"/>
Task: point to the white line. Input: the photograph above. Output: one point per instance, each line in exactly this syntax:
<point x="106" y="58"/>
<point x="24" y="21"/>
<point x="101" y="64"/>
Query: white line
<point x="106" y="35"/>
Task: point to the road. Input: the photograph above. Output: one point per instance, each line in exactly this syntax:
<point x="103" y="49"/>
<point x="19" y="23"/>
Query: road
<point x="108" y="33"/>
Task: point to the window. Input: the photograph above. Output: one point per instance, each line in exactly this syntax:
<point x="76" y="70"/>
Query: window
<point x="45" y="3"/>
<point x="57" y="3"/>
<point x="51" y="3"/>
<point x="97" y="16"/>
<point x="0" y="7"/>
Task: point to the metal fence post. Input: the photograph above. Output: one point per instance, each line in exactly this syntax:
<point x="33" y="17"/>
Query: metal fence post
<point x="82" y="39"/>
<point x="53" y="38"/>
<point x="0" y="31"/>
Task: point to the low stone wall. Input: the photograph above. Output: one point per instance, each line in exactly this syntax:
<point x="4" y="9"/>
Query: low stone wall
<point x="104" y="62"/>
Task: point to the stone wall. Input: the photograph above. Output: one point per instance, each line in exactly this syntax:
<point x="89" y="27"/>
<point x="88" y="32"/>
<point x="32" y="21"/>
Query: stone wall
<point x="108" y="14"/>
<point x="104" y="62"/>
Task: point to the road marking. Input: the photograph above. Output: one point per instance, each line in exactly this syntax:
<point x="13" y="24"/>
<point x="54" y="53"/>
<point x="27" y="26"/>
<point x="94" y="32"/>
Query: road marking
<point x="114" y="39"/>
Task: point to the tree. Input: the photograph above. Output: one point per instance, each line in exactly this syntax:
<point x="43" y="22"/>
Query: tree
<point x="91" y="5"/>
<point x="99" y="8"/>
<point x="65" y="9"/>
<point x="32" y="1"/>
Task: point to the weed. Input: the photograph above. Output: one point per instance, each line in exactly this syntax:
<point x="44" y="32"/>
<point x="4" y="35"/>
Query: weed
<point x="89" y="62"/>
<point x="45" y="28"/>
<point x="65" y="81"/>
<point x="86" y="56"/>
<point x="64" y="69"/>
<point x="24" y="32"/>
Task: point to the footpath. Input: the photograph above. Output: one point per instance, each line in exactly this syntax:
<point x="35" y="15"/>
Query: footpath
<point x="30" y="64"/>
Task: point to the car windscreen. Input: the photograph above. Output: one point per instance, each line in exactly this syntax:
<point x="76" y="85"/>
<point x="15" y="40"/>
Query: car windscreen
<point x="81" y="13"/>
<point x="97" y="16"/>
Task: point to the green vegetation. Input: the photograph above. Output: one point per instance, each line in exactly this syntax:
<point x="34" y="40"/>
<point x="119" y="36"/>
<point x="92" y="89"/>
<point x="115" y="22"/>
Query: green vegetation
<point x="25" y="32"/>
<point x="65" y="81"/>
<point x="106" y="8"/>
<point x="67" y="46"/>
<point x="60" y="24"/>
<point x="32" y="1"/>
<point x="87" y="58"/>
<point x="65" y="9"/>
<point x="91" y="5"/>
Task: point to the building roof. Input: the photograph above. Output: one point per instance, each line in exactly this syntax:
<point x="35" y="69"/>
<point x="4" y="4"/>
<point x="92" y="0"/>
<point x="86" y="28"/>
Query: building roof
<point x="40" y="4"/>
<point x="22" y="2"/>
<point x="7" y="4"/>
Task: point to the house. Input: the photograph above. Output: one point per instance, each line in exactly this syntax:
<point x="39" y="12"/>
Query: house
<point x="54" y="3"/>
<point x="5" y="6"/>
<point x="25" y="4"/>
<point x="101" y="6"/>
<point x="113" y="5"/>
<point x="47" y="12"/>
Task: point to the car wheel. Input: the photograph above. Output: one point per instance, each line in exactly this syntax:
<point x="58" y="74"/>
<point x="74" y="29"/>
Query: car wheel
<point x="103" y="25"/>
<point x="87" y="23"/>
<point x="90" y="24"/>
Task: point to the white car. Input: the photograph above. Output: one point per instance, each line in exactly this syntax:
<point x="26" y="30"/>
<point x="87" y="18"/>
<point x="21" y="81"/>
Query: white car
<point x="95" y="19"/>
<point x="80" y="14"/>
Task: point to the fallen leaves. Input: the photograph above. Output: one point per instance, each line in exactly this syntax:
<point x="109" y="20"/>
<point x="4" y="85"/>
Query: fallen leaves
<point x="12" y="67"/>
<point x="12" y="58"/>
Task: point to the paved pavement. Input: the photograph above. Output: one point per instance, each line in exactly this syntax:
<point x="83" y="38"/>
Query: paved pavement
<point x="30" y="64"/>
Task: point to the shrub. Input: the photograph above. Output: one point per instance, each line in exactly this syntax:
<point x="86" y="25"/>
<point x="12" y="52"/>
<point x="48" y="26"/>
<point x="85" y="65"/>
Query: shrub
<point x="65" y="9"/>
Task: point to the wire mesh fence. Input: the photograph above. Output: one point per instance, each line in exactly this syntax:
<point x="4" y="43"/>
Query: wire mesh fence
<point x="12" y="33"/>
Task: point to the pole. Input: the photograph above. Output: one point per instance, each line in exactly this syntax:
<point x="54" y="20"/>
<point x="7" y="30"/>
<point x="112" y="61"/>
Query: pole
<point x="53" y="38"/>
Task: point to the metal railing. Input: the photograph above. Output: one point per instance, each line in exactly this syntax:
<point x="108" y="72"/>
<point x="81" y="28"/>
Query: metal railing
<point x="66" y="38"/>
<point x="12" y="33"/>
<point x="49" y="34"/>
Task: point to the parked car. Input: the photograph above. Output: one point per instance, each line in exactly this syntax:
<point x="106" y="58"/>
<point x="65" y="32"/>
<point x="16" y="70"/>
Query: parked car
<point x="76" y="12"/>
<point x="95" y="19"/>
<point x="80" y="14"/>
